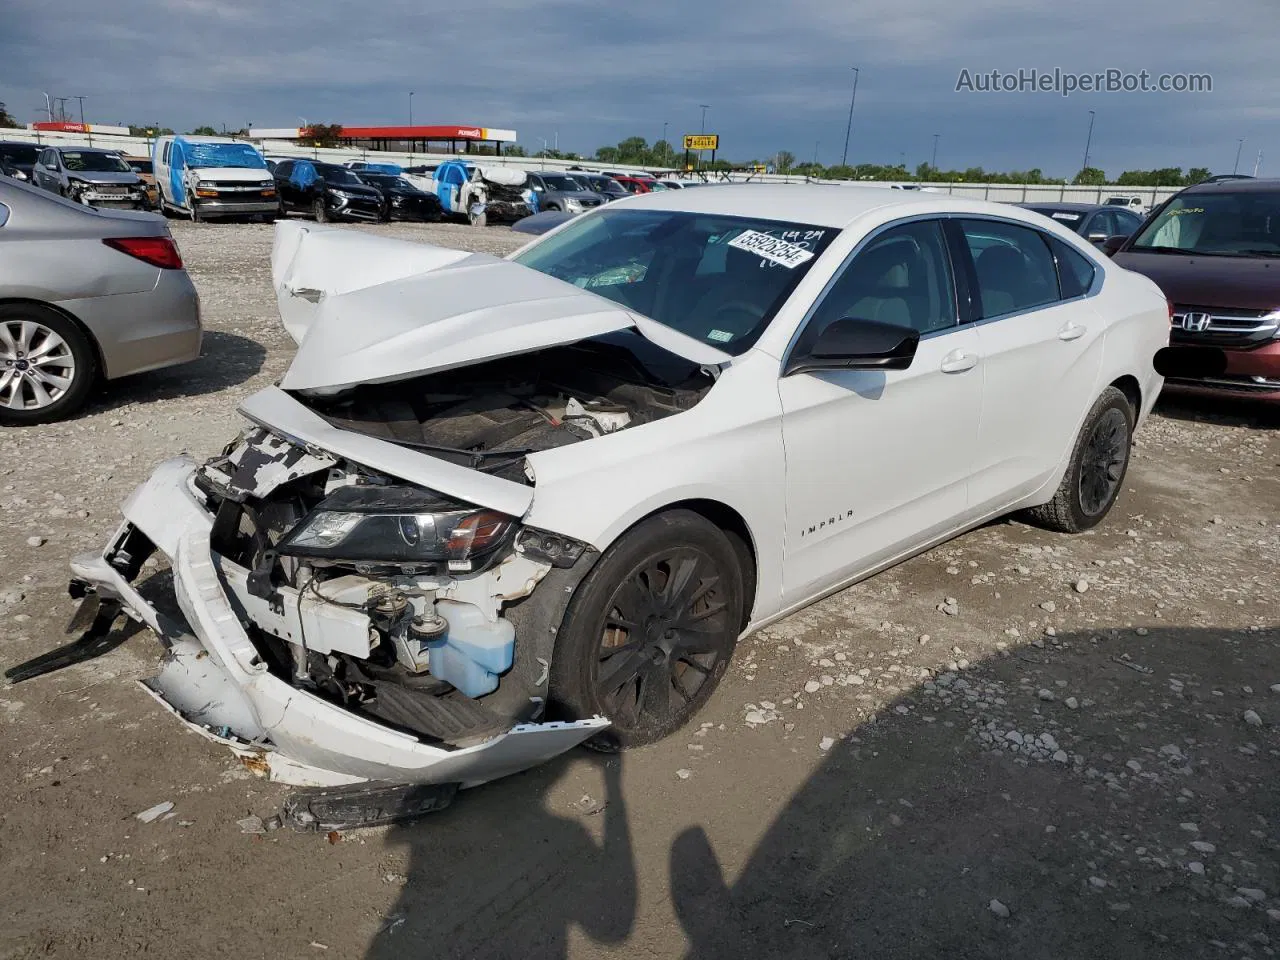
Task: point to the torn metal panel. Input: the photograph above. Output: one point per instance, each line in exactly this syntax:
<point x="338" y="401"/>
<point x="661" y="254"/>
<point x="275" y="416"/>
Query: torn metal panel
<point x="260" y="463"/>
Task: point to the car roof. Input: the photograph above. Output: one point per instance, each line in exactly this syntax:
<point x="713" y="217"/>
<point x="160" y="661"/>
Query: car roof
<point x="1265" y="185"/>
<point x="820" y="205"/>
<point x="71" y="149"/>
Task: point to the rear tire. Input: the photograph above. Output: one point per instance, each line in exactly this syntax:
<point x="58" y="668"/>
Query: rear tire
<point x="1095" y="474"/>
<point x="54" y="346"/>
<point x="650" y="630"/>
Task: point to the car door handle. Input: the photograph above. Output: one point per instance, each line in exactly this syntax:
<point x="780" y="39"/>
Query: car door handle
<point x="1072" y="331"/>
<point x="957" y="361"/>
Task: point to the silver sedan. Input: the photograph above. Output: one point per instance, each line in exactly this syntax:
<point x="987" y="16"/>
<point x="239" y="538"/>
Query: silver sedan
<point x="86" y="295"/>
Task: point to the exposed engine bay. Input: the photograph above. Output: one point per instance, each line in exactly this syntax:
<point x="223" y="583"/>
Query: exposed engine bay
<point x="490" y="415"/>
<point x="394" y="601"/>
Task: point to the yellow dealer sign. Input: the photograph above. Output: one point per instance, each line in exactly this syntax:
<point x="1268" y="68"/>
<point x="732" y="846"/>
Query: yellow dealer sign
<point x="702" y="141"/>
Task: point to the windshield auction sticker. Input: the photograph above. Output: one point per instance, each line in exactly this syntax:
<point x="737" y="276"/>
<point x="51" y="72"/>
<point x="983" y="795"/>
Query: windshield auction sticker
<point x="789" y="255"/>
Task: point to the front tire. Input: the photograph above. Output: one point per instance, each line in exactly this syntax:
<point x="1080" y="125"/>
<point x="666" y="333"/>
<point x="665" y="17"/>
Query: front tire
<point x="320" y="211"/>
<point x="47" y="365"/>
<point x="1096" y="472"/>
<point x="196" y="215"/>
<point x="650" y="631"/>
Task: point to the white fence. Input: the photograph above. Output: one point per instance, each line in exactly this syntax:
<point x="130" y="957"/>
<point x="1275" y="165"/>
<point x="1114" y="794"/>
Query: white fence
<point x="1001" y="192"/>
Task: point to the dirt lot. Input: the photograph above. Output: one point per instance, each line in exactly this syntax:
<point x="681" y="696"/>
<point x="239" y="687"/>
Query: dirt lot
<point x="1076" y="759"/>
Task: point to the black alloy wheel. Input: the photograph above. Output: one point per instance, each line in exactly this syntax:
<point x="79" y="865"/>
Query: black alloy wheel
<point x="651" y="629"/>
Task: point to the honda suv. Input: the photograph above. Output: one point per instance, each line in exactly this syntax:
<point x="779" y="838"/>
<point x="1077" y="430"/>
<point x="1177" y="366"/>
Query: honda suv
<point x="1214" y="249"/>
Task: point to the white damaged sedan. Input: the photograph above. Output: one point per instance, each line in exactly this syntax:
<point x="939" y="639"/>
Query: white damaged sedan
<point x="498" y="507"/>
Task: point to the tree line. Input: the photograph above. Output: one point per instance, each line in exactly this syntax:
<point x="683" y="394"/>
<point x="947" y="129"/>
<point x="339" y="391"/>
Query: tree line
<point x="637" y="151"/>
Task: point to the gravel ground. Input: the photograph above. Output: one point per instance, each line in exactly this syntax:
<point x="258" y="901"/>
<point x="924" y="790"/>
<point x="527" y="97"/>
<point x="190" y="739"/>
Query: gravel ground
<point x="1017" y="744"/>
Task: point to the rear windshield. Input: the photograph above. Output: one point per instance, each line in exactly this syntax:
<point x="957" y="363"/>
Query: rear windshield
<point x="224" y="155"/>
<point x="1244" y="224"/>
<point x="143" y="166"/>
<point x="718" y="279"/>
<point x="93" y="162"/>
<point x="1066" y="216"/>
<point x="18" y="153"/>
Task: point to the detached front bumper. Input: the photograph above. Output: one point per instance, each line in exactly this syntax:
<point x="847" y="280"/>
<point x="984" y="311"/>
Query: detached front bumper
<point x="215" y="681"/>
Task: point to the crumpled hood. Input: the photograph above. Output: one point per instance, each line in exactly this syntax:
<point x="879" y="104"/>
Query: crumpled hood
<point x="105" y="177"/>
<point x="371" y="309"/>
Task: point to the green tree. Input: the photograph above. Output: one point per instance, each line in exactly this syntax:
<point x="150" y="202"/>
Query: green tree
<point x="785" y="160"/>
<point x="1198" y="175"/>
<point x="1090" y="176"/>
<point x="6" y="118"/>
<point x="205" y="131"/>
<point x="323" y="134"/>
<point x="514" y="150"/>
<point x="145" y="131"/>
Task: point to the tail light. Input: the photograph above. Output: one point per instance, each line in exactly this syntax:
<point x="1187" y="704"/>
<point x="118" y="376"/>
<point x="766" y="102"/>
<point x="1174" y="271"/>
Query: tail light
<point x="157" y="251"/>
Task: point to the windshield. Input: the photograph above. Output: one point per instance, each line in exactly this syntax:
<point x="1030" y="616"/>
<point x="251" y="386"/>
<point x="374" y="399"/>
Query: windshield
<point x="385" y="181"/>
<point x="340" y="175"/>
<point x="224" y="155"/>
<point x="94" y="162"/>
<point x="718" y="279"/>
<point x="1216" y="224"/>
<point x="603" y="185"/>
<point x="18" y="153"/>
<point x="560" y="181"/>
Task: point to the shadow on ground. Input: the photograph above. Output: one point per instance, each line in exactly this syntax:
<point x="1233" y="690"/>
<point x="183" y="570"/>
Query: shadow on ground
<point x="500" y="875"/>
<point x="913" y="823"/>
<point x="226" y="360"/>
<point x="1231" y="411"/>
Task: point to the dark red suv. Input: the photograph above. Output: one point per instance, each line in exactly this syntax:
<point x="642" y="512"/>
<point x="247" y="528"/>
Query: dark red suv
<point x="1214" y="249"/>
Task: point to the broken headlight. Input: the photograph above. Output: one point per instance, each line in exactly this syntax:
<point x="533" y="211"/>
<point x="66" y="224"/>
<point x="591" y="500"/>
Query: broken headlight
<point x="400" y="525"/>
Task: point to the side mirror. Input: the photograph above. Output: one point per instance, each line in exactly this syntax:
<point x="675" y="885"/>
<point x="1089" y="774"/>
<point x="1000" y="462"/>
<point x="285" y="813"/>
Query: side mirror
<point x="1113" y="243"/>
<point x="855" y="344"/>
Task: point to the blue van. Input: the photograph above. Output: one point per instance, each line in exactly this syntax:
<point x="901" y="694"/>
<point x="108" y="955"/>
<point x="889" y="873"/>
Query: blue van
<point x="205" y="177"/>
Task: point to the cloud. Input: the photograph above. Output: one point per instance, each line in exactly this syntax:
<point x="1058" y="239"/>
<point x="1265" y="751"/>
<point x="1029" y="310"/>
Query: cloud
<point x="777" y="76"/>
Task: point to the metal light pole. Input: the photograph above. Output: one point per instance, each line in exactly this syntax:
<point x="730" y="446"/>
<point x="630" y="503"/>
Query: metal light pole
<point x="1257" y="163"/>
<point x="48" y="107"/>
<point x="1239" y="147"/>
<point x="933" y="165"/>
<point x="82" y="123"/>
<point x="411" y="108"/>
<point x="705" y="107"/>
<point x="844" y="160"/>
<point x="1088" y="142"/>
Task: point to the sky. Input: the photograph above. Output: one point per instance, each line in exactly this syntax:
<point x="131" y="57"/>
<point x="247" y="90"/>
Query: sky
<point x="776" y="74"/>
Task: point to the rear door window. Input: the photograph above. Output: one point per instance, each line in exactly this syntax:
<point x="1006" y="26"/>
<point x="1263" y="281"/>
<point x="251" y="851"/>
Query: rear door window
<point x="1075" y="271"/>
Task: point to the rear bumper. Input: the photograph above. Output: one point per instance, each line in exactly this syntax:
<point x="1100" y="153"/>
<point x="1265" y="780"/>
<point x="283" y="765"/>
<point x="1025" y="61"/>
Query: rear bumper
<point x="137" y="332"/>
<point x="214" y="680"/>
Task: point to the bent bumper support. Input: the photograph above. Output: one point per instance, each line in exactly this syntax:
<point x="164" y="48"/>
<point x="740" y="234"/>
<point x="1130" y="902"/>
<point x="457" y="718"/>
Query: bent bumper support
<point x="215" y="682"/>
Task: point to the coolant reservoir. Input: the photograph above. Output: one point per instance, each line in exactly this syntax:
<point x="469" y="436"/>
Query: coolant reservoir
<point x="473" y="651"/>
